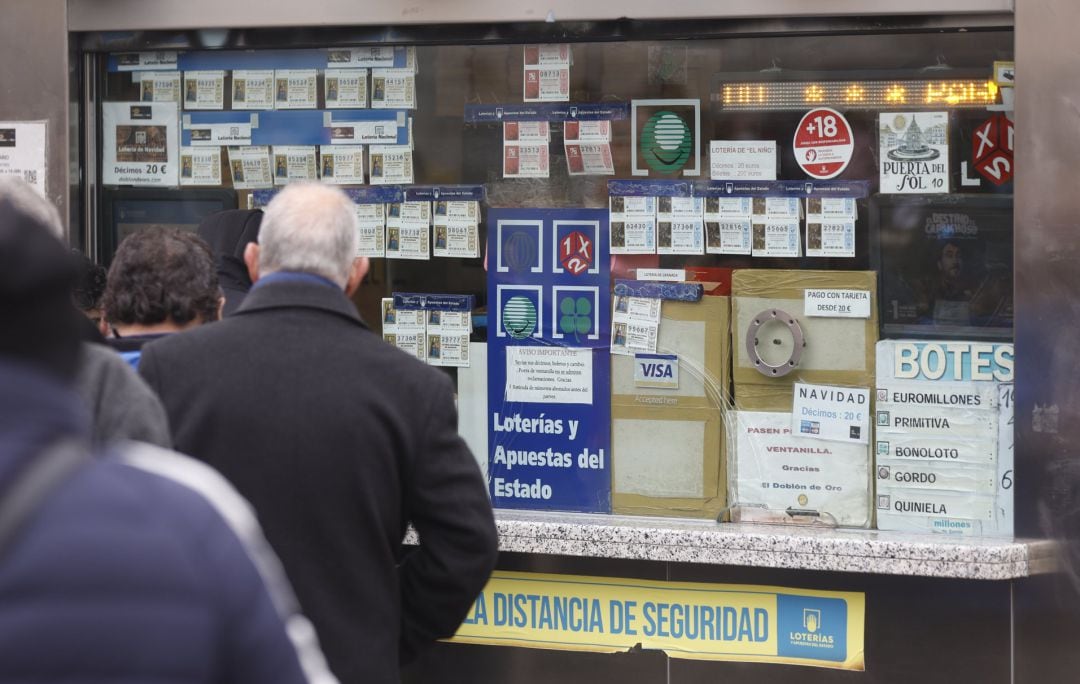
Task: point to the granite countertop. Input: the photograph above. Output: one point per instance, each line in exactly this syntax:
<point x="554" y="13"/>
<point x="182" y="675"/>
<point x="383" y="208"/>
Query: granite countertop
<point x="770" y="546"/>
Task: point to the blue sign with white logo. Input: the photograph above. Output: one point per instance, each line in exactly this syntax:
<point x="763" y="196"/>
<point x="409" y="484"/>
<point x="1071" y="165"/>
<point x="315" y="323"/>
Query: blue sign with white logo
<point x="549" y="317"/>
<point x="811" y="627"/>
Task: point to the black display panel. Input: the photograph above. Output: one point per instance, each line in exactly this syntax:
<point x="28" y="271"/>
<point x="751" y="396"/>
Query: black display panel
<point x="945" y="265"/>
<point x="129" y="210"/>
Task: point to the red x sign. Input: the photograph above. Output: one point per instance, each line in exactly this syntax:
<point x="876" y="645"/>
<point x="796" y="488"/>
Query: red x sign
<point x="992" y="149"/>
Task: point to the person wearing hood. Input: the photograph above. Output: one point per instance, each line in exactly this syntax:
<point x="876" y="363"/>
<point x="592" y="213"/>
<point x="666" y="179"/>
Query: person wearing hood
<point x="228" y="234"/>
<point x="90" y="587"/>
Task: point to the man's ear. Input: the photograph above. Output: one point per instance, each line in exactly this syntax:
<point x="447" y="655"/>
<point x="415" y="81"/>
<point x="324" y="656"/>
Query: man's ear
<point x="251" y="260"/>
<point x="360" y="266"/>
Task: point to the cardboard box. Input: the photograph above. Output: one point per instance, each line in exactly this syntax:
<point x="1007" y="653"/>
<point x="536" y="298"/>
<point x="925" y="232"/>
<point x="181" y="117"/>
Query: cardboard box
<point x="838" y="351"/>
<point x="668" y="442"/>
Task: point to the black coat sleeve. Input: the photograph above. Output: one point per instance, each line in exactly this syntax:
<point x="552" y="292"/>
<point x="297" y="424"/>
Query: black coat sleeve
<point x="446" y="500"/>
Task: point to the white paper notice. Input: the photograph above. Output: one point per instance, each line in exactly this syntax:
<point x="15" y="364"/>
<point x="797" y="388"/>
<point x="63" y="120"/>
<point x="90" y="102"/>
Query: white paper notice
<point x="346" y="88"/>
<point x="455" y="238"/>
<point x="1005" y="476"/>
<point x="22" y="151"/>
<point x="778" y="475"/>
<point x="525" y="161"/>
<point x="200" y="166"/>
<point x="717" y="208"/>
<point x="456" y="229"/>
<point x="830" y="238"/>
<point x="390" y="164"/>
<point x="776" y="238"/>
<point x="393" y="89"/>
<point x="372" y="56"/>
<point x="837" y="414"/>
<point x="728" y="236"/>
<point x="742" y="159"/>
<point x="408" y="230"/>
<point x="217" y="134"/>
<point x="250" y="167"/>
<point x="589" y="159"/>
<point x="830" y="303"/>
<point x="295" y="89"/>
<point x="547" y="73"/>
<point x="663" y="275"/>
<point x="776" y="208"/>
<point x="526" y="131"/>
<point x="293" y="163"/>
<point x="914" y="152"/>
<point x="158" y="86"/>
<point x="447" y="348"/>
<point x="679" y="225"/>
<point x="549" y="375"/>
<point x="140" y="144"/>
<point x="204" y="89"/>
<point x="342" y="164"/>
<point x="253" y="89"/>
<point x="680" y="237"/>
<point x="136" y="61"/>
<point x="384" y="132"/>
<point x="635" y="325"/>
<point x="679" y="208"/>
<point x="820" y="208"/>
<point x="633" y="225"/>
<point x="371" y="229"/>
<point x="587" y="131"/>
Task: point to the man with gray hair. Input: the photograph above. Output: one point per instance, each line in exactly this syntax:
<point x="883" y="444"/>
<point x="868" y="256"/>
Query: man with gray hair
<point x="338" y="439"/>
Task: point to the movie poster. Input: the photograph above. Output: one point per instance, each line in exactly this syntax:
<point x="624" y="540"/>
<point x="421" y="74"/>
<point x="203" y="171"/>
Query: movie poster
<point x="946" y="265"/>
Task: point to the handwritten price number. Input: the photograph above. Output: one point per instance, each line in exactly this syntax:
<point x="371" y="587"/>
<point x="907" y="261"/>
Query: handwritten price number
<point x="1007" y="398"/>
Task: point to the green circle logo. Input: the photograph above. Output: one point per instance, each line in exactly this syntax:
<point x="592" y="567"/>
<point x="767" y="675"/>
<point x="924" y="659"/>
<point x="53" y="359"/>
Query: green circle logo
<point x="519" y="317"/>
<point x="665" y="142"/>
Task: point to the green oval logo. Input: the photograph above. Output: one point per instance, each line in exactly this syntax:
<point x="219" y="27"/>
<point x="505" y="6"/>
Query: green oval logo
<point x="519" y="317"/>
<point x="665" y="142"/>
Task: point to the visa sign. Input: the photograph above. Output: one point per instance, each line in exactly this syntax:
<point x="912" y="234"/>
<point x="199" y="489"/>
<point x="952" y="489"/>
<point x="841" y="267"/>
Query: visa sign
<point x="657" y="371"/>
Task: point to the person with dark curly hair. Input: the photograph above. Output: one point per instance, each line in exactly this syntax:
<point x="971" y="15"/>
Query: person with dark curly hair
<point x="161" y="281"/>
<point x="89" y="286"/>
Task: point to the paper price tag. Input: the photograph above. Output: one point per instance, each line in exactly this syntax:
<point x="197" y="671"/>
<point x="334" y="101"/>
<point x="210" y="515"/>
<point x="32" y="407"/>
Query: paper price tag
<point x="830" y="303"/>
<point x="838" y="414"/>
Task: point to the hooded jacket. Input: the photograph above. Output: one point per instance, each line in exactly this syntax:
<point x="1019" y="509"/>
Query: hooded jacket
<point x="120" y="575"/>
<point x="228" y="234"/>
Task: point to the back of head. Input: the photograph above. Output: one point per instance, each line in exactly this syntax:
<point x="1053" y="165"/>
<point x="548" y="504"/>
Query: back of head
<point x="309" y="228"/>
<point x="228" y="232"/>
<point x="90" y="283"/>
<point x="161" y="275"/>
<point x="40" y="325"/>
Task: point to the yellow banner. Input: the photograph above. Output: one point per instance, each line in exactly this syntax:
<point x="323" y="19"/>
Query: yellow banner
<point x="684" y="619"/>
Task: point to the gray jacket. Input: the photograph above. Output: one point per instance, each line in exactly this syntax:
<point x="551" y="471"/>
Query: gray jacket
<point x="122" y="406"/>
